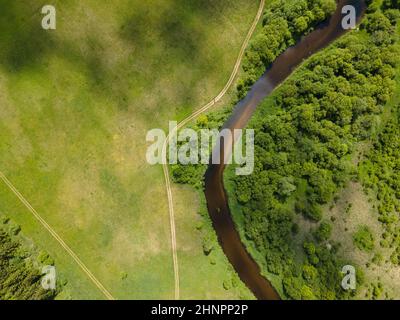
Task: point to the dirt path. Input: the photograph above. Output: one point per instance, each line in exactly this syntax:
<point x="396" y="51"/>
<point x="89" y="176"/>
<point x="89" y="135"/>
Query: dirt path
<point x="186" y="121"/>
<point x="55" y="235"/>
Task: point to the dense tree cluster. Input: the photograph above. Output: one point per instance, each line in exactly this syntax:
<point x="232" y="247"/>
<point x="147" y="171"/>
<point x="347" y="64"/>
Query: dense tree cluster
<point x="323" y="232"/>
<point x="380" y="173"/>
<point x="364" y="239"/>
<point x="20" y="277"/>
<point x="305" y="135"/>
<point x="283" y="23"/>
<point x="280" y="30"/>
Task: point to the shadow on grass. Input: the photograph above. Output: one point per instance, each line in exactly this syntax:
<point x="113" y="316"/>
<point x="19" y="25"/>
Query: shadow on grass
<point x="175" y="28"/>
<point x="179" y="31"/>
<point x="23" y="42"/>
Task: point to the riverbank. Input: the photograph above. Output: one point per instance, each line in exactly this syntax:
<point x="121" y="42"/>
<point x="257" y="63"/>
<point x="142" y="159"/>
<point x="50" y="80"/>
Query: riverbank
<point x="266" y="217"/>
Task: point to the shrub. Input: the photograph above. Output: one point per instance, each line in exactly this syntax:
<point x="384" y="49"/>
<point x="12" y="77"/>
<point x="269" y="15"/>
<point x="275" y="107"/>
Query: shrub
<point x="363" y="239"/>
<point x="323" y="232"/>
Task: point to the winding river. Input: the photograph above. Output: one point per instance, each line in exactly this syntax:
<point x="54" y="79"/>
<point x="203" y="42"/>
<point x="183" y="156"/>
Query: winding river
<point x="217" y="202"/>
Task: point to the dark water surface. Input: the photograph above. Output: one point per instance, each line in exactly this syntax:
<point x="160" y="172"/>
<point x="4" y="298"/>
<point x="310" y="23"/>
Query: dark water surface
<point x="217" y="202"/>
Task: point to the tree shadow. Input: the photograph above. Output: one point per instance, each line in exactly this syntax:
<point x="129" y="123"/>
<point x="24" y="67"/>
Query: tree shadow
<point x="175" y="29"/>
<point x="23" y="42"/>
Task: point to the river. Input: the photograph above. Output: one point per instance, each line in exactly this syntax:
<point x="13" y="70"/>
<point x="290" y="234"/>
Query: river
<point x="217" y="201"/>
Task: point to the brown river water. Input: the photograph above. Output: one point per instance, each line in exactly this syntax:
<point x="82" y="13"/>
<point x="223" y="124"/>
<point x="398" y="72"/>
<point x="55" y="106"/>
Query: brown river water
<point x="217" y="202"/>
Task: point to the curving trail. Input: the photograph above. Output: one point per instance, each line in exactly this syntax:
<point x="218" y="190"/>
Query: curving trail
<point x="186" y="121"/>
<point x="55" y="235"/>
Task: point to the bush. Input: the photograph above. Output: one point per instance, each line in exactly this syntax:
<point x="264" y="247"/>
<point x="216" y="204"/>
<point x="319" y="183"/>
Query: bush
<point x="323" y="232"/>
<point x="363" y="239"/>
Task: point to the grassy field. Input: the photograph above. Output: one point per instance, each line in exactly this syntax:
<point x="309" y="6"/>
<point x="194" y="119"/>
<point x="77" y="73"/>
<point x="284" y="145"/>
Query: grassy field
<point x="75" y="106"/>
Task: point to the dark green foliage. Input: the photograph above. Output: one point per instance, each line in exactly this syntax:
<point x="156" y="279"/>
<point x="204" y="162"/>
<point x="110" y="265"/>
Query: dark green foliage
<point x="380" y="173"/>
<point x="391" y="4"/>
<point x="305" y="135"/>
<point x="306" y="132"/>
<point x="376" y="290"/>
<point x="19" y="277"/>
<point x="307" y="209"/>
<point x="323" y="232"/>
<point x="363" y="239"/>
<point x="278" y="33"/>
<point x="193" y="174"/>
<point x="283" y="23"/>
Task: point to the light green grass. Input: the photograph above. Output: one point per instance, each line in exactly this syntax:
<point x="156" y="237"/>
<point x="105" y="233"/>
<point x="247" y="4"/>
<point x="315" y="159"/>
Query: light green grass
<point x="75" y="107"/>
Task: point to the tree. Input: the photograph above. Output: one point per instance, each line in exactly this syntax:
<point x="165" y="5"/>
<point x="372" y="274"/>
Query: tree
<point x="323" y="232"/>
<point x="363" y="239"/>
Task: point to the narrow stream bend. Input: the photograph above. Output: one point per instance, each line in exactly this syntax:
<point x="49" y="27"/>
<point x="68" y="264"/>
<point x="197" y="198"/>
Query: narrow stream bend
<point x="217" y="202"/>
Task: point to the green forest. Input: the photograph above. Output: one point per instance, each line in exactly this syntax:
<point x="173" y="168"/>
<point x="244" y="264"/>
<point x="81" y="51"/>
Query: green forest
<point x="380" y="175"/>
<point x="20" y="265"/>
<point x="283" y="24"/>
<point x="306" y="136"/>
<point x="335" y="121"/>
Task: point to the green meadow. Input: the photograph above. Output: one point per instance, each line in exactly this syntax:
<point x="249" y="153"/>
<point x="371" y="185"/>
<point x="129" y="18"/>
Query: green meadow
<point x="75" y="107"/>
